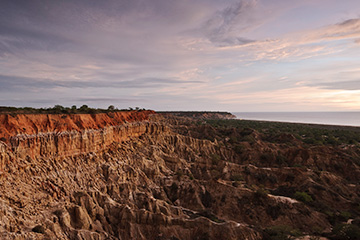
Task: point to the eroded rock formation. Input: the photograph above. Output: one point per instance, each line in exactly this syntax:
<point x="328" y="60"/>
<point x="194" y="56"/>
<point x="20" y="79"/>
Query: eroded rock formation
<point x="155" y="178"/>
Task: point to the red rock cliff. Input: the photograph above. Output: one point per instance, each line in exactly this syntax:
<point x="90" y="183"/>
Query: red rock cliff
<point x="11" y="125"/>
<point x="56" y="135"/>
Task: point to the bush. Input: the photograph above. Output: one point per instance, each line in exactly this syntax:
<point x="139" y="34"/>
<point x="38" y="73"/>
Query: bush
<point x="303" y="197"/>
<point x="280" y="232"/>
<point x="261" y="193"/>
<point x="345" y="215"/>
<point x="111" y="108"/>
<point x="346" y="231"/>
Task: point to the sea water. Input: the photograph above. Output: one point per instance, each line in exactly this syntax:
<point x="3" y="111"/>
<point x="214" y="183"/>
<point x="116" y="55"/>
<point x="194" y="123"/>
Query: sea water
<point x="328" y="118"/>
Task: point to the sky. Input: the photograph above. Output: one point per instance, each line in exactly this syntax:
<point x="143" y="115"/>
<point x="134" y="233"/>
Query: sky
<point x="229" y="55"/>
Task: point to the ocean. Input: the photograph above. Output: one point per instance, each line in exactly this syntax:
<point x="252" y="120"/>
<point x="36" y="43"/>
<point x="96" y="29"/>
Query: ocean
<point x="328" y="118"/>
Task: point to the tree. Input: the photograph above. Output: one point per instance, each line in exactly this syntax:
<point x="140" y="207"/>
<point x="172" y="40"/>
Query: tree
<point x="84" y="108"/>
<point x="58" y="108"/>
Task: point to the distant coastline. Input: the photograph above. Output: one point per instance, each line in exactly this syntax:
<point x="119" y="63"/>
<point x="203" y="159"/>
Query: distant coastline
<point x="326" y="118"/>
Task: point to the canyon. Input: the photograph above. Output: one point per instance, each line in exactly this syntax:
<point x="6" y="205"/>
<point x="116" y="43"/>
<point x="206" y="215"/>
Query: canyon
<point x="144" y="175"/>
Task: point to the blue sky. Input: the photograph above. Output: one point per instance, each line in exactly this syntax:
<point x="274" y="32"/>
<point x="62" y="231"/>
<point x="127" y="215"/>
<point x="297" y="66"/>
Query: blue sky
<point x="250" y="55"/>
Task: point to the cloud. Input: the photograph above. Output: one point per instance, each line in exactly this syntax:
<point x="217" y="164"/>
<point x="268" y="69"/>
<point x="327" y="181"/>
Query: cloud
<point x="17" y="82"/>
<point x="340" y="85"/>
<point x="348" y="29"/>
<point x="303" y="44"/>
<point x="300" y="98"/>
<point x="225" y="27"/>
<point x="14" y="40"/>
<point x="158" y="51"/>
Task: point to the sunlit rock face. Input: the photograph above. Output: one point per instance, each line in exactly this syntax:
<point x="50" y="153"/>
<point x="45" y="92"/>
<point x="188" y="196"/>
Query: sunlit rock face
<point x="70" y="143"/>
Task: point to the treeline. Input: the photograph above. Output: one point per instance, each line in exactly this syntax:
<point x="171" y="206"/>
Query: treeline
<point x="58" y="109"/>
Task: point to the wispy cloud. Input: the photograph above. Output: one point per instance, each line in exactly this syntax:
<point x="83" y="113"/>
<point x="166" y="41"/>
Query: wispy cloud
<point x="341" y="85"/>
<point x="226" y="27"/>
<point x="17" y="82"/>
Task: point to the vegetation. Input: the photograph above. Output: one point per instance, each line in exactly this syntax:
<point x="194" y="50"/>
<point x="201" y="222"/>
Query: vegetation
<point x="190" y="113"/>
<point x="303" y="197"/>
<point x="345" y="231"/>
<point x="261" y="193"/>
<point x="280" y="132"/>
<point x="58" y="109"/>
<point x="281" y="232"/>
<point x="288" y="148"/>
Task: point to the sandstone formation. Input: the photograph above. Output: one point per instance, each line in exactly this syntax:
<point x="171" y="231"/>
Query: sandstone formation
<point x="136" y="175"/>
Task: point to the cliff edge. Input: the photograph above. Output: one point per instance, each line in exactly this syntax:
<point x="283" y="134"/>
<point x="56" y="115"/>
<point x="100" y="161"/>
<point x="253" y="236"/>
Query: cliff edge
<point x="15" y="124"/>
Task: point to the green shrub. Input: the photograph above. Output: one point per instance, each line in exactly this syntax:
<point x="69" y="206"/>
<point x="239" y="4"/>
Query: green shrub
<point x="346" y="231"/>
<point x="281" y="232"/>
<point x="261" y="193"/>
<point x="345" y="215"/>
<point x="303" y="197"/>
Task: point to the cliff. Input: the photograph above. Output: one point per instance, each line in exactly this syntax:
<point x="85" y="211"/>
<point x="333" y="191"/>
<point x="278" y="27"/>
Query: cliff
<point x="53" y="135"/>
<point x="138" y="175"/>
<point x="30" y="124"/>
